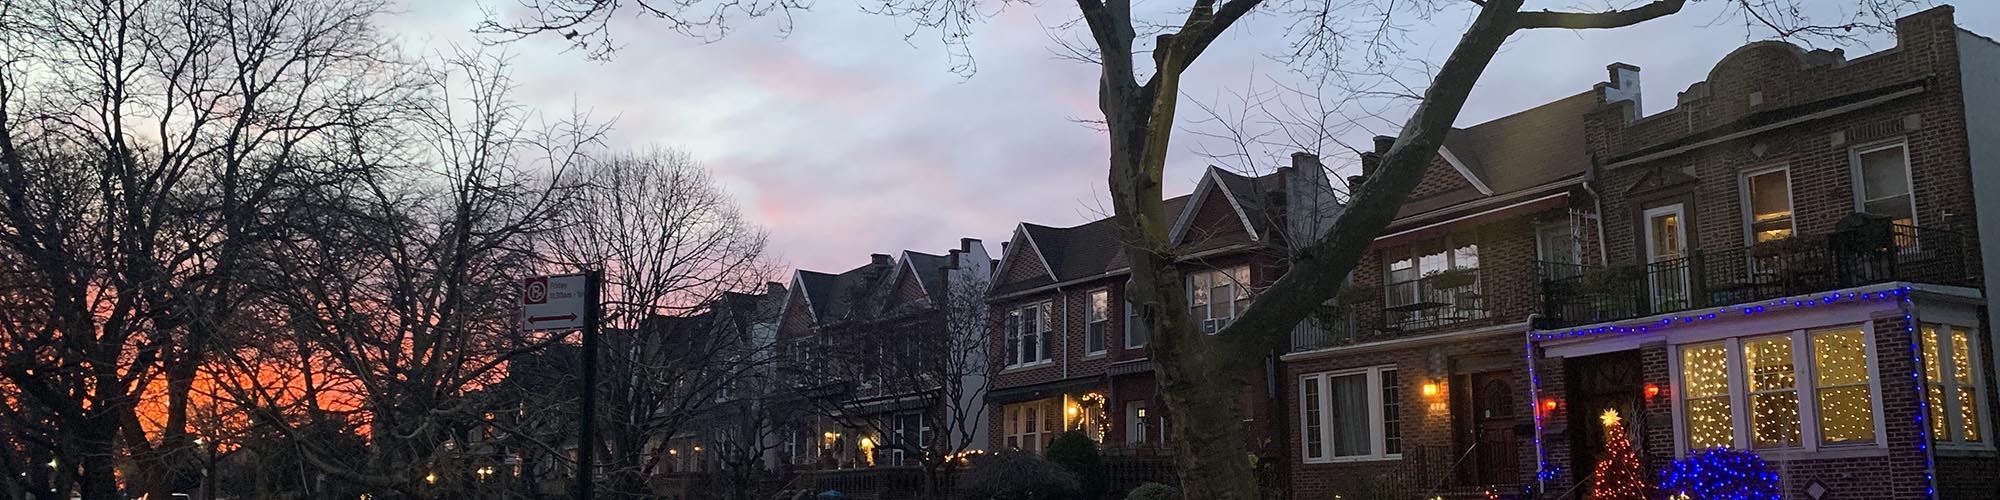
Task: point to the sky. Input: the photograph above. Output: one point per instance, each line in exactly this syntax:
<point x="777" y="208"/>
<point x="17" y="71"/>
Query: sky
<point x="847" y="136"/>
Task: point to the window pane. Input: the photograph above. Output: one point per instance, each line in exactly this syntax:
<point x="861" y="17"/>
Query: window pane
<point x="1466" y="256"/>
<point x="1030" y="335"/>
<point x="1392" y="414"/>
<point x="1774" y="400"/>
<point x="1350" y="414"/>
<point x="1705" y="374"/>
<point x="1135" y="331"/>
<point x="1199" y="289"/>
<point x="1933" y="379"/>
<point x="1968" y="392"/>
<point x="1665" y="236"/>
<point x="1846" y="410"/>
<point x="1884" y="174"/>
<point x="1100" y="305"/>
<point x="1770" y="206"/>
<point x="1309" y="403"/>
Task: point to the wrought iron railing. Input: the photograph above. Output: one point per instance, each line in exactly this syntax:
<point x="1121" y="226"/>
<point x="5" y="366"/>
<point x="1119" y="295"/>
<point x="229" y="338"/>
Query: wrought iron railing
<point x="1575" y="294"/>
<point x="1432" y="301"/>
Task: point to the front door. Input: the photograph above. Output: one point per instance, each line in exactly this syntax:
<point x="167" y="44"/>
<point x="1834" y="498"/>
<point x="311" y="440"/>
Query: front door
<point x="1487" y="434"/>
<point x="1610" y="381"/>
<point x="1666" y="254"/>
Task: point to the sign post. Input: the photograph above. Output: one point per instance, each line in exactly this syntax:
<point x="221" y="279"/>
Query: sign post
<point x="571" y="302"/>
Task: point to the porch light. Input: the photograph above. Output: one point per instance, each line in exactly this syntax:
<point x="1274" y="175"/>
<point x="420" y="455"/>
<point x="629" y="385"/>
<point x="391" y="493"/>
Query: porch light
<point x="1652" y="391"/>
<point x="1430" y="389"/>
<point x="1548" y="405"/>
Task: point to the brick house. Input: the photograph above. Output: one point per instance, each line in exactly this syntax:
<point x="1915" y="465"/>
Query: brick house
<point x="1424" y="392"/>
<point x="866" y="352"/>
<point x="1795" y="268"/>
<point x="1067" y="353"/>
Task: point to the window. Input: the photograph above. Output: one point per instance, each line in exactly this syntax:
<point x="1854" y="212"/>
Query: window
<point x="1953" y="388"/>
<point x="1027" y="334"/>
<point x="1030" y="425"/>
<point x="1097" y="322"/>
<point x="1135" y="327"/>
<point x="1433" y="283"/>
<point x="1883" y="176"/>
<point x="1137" y="428"/>
<point x="1351" y="415"/>
<point x="1768" y="206"/>
<point x="1802" y="389"/>
<point x="911" y="434"/>
<point x="1215" y="296"/>
<point x="1556" y="243"/>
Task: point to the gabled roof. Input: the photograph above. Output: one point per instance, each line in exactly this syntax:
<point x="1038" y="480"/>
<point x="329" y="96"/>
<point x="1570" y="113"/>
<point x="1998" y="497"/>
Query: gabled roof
<point x="1520" y="151"/>
<point x="1095" y="248"/>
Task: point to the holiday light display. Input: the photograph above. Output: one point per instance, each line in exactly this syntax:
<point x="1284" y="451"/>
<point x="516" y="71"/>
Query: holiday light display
<point x="1721" y="474"/>
<point x="1617" y="476"/>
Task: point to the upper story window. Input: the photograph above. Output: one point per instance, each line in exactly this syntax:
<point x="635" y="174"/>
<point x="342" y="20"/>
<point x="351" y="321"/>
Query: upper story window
<point x="1432" y="283"/>
<point x="1953" y="388"/>
<point x="1802" y="390"/>
<point x="1883" y="178"/>
<point x="1215" y="296"/>
<point x="1097" y="322"/>
<point x="1028" y="334"/>
<point x="1135" y="327"/>
<point x="1768" y="207"/>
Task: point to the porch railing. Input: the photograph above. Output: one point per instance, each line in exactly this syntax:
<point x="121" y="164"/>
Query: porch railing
<point x="1431" y="301"/>
<point x="1576" y="294"/>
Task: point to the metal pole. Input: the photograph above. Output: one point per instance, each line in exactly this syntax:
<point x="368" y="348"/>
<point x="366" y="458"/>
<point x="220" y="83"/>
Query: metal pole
<point x="586" y="435"/>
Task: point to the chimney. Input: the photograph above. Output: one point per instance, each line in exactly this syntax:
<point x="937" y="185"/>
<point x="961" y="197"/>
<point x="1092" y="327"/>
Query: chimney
<point x="1623" y="86"/>
<point x="951" y="258"/>
<point x="1383" y="142"/>
<point x="881" y="259"/>
<point x="773" y="288"/>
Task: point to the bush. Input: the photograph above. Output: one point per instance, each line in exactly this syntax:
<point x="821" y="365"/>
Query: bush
<point x="1154" y="491"/>
<point x="1013" y="475"/>
<point x="1077" y="453"/>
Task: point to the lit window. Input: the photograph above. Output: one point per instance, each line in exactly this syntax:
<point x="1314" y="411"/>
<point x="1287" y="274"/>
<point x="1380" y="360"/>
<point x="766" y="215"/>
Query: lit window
<point x="1840" y="364"/>
<point x="1885" y="184"/>
<point x="1351" y="415"/>
<point x="1774" y="395"/>
<point x="1705" y="376"/>
<point x="1432" y="283"/>
<point x="1216" y="296"/>
<point x="1097" y="322"/>
<point x="1030" y="425"/>
<point x="1771" y="395"/>
<point x="1770" y="205"/>
<point x="1953" y="390"/>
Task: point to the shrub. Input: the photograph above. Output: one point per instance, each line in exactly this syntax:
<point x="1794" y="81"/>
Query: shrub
<point x="1078" y="454"/>
<point x="1154" y="491"/>
<point x="1013" y="475"/>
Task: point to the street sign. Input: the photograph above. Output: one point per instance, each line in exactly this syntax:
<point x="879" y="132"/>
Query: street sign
<point x="554" y="302"/>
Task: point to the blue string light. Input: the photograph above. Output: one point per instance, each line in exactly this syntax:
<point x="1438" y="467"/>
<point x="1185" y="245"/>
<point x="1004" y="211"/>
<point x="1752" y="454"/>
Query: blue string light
<point x="1799" y="302"/>
<point x="1722" y="474"/>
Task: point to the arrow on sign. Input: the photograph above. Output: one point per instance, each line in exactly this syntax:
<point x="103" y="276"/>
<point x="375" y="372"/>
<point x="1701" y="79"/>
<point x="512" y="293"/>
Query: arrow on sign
<point x="538" y="319"/>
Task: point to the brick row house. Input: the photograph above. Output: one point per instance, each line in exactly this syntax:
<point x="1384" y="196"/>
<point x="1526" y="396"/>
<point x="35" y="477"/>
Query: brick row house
<point x="1788" y="261"/>
<point x="1067" y="353"/>
<point x="886" y="362"/>
<point x="1795" y="269"/>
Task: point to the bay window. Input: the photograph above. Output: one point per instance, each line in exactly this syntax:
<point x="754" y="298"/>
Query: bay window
<point x="1801" y="389"/>
<point x="1097" y="322"/>
<point x="1953" y="387"/>
<point x="1350" y="415"/>
<point x="1029" y="426"/>
<point x="1027" y="334"/>
<point x="1216" y="296"/>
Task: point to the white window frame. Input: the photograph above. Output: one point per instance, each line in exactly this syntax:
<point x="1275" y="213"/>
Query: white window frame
<point x="1749" y="216"/>
<point x="1954" y="427"/>
<point x="1017" y="418"/>
<point x="1378" y="440"/>
<point x="1137" y="430"/>
<point x="1094" y="324"/>
<point x="1805" y="382"/>
<point x="897" y="432"/>
<point x="1133" y="324"/>
<point x="1860" y="186"/>
<point x="1210" y="322"/>
<point x="1017" y="352"/>
<point x="1546" y="254"/>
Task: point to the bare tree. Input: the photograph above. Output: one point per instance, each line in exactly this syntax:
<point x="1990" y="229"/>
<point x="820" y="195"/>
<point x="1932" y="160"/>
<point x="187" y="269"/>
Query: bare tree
<point x="674" y="250"/>
<point x="150" y="149"/>
<point x="396" y="292"/>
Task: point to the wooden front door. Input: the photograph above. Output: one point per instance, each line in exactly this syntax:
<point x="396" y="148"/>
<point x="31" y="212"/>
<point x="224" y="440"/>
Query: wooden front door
<point x="1487" y="432"/>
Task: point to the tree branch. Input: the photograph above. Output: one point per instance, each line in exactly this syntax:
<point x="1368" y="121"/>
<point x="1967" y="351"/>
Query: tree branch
<point x="1598" y="20"/>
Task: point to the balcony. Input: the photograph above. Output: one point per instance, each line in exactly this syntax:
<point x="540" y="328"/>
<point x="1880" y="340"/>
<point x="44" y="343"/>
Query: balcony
<point x="1577" y="295"/>
<point x="1435" y="300"/>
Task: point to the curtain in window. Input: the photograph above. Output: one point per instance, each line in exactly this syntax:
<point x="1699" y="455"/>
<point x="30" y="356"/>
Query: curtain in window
<point x="1349" y="398"/>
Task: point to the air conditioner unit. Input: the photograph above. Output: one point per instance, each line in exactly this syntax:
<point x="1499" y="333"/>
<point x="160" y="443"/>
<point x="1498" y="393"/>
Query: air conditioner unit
<point x="1210" y="325"/>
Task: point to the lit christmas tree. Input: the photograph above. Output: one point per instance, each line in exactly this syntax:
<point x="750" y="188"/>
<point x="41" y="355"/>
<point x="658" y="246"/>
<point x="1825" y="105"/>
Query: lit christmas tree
<point x="1617" y="476"/>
